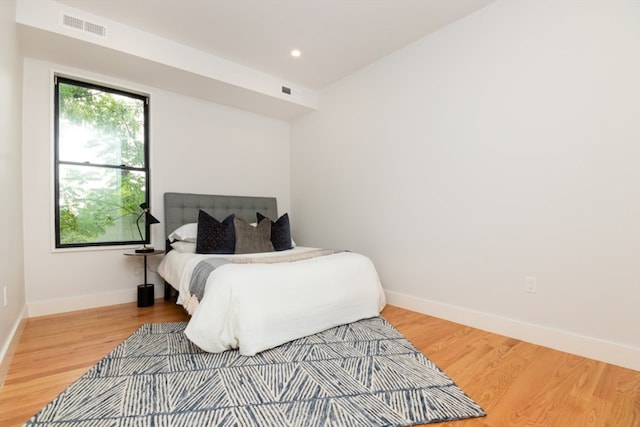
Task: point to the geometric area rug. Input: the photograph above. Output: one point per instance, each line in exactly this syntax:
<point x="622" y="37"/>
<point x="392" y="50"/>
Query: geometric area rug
<point x="362" y="374"/>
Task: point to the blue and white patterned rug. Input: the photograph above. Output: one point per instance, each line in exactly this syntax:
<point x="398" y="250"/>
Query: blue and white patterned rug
<point x="362" y="374"/>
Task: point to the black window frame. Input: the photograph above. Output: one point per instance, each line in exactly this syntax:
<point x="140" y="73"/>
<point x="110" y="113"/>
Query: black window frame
<point x="57" y="162"/>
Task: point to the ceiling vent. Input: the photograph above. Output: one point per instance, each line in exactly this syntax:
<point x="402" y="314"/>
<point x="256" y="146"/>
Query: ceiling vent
<point x="75" y="23"/>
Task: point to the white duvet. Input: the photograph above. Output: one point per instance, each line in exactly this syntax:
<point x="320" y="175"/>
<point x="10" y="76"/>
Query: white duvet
<point x="257" y="306"/>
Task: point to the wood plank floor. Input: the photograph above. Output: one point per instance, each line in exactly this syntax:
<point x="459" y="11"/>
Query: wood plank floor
<point x="517" y="383"/>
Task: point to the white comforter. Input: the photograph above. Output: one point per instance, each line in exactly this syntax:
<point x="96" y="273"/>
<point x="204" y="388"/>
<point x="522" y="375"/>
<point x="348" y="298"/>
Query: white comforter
<point x="254" y="307"/>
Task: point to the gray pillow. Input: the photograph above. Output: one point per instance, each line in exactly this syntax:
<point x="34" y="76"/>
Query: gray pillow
<point x="250" y="239"/>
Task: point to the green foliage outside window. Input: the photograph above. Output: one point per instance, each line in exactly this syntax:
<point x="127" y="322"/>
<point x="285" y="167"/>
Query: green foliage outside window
<point x="101" y="164"/>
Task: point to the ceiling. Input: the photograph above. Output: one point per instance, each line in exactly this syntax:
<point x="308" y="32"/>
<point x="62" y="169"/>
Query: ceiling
<point x="336" y="37"/>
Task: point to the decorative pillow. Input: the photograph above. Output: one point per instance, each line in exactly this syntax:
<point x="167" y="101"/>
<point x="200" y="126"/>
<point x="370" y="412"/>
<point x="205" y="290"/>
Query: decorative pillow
<point x="280" y="232"/>
<point x="185" y="233"/>
<point x="186" y="247"/>
<point x="250" y="239"/>
<point x="215" y="237"/>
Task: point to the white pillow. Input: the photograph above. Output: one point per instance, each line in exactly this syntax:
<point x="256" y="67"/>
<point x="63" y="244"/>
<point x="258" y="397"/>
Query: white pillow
<point x="186" y="247"/>
<point x="185" y="233"/>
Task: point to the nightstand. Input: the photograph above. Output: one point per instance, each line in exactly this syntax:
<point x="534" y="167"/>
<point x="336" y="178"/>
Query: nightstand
<point x="146" y="291"/>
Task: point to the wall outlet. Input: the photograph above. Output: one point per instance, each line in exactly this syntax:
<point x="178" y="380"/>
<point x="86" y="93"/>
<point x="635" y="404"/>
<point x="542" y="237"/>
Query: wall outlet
<point x="4" y="296"/>
<point x="530" y="285"/>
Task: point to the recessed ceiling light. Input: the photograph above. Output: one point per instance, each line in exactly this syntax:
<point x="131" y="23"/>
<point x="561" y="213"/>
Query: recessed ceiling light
<point x="296" y="53"/>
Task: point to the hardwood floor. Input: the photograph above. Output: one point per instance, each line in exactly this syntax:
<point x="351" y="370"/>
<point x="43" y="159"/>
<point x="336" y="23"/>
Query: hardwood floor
<point x="517" y="383"/>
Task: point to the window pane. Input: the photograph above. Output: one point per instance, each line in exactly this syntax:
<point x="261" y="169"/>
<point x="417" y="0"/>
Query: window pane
<point x="100" y="127"/>
<point x="99" y="204"/>
<point x="101" y="169"/>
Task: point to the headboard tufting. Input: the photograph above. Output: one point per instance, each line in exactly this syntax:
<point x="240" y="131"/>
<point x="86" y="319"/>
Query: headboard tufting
<point x="183" y="208"/>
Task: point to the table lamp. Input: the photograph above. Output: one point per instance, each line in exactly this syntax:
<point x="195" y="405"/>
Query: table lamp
<point x="148" y="219"/>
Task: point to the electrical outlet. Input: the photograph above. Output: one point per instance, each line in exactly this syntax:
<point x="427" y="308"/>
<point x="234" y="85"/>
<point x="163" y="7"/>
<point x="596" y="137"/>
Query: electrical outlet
<point x="4" y="296"/>
<point x="530" y="285"/>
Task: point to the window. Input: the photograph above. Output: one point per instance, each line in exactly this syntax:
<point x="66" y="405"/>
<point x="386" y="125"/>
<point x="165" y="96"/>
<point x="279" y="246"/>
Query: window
<point x="101" y="164"/>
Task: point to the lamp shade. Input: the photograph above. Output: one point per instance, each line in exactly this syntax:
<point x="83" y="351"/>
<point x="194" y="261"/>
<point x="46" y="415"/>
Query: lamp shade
<point x="150" y="219"/>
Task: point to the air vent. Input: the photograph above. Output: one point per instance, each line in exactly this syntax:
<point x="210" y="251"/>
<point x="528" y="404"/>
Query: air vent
<point x="286" y="90"/>
<point x="70" y="21"/>
<point x="84" y="26"/>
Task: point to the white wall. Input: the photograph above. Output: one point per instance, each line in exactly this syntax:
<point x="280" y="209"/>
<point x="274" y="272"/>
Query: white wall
<point x="505" y="145"/>
<point x="11" y="267"/>
<point x="196" y="147"/>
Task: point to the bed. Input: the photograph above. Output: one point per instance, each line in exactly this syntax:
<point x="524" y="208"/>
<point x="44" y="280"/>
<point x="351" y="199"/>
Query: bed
<point x="263" y="298"/>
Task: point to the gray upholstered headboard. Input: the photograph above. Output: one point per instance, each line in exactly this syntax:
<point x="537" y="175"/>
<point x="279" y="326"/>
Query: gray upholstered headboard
<point x="183" y="208"/>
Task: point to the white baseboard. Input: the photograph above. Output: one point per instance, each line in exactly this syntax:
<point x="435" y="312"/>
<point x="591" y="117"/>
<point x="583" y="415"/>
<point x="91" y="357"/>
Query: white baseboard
<point x="593" y="348"/>
<point x="7" y="350"/>
<point x="62" y="305"/>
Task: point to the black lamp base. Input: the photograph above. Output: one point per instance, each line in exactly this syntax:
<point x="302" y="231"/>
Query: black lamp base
<point x="144" y="250"/>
